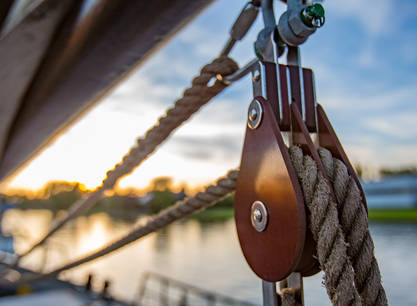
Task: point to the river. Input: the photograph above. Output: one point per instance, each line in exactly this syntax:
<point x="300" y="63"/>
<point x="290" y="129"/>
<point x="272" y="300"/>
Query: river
<point x="206" y="255"/>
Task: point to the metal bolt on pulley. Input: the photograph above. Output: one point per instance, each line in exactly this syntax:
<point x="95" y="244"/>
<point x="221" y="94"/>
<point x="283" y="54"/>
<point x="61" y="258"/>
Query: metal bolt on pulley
<point x="255" y="113"/>
<point x="259" y="216"/>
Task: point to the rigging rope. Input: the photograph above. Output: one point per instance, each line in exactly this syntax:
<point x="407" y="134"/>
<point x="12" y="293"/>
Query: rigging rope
<point x="345" y="248"/>
<point x="192" y="100"/>
<point x="354" y="221"/>
<point x="326" y="230"/>
<point x="351" y="271"/>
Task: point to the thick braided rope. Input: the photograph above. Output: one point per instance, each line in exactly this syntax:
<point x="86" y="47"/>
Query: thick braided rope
<point x="192" y="100"/>
<point x="211" y="195"/>
<point x="290" y="297"/>
<point x="354" y="221"/>
<point x="326" y="230"/>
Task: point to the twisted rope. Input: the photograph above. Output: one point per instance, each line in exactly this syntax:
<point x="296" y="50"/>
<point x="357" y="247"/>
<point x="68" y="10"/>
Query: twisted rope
<point x="345" y="249"/>
<point x="192" y="100"/>
<point x="210" y="196"/>
<point x="354" y="221"/>
<point x="326" y="230"/>
<point x="290" y="297"/>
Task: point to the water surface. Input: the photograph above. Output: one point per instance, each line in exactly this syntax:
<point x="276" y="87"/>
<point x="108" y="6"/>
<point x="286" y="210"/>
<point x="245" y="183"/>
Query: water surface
<point x="205" y="255"/>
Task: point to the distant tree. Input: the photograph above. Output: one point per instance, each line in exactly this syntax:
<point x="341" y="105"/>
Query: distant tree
<point x="398" y="171"/>
<point x="55" y="187"/>
<point x="161" y="200"/>
<point x="161" y="183"/>
<point x="57" y="195"/>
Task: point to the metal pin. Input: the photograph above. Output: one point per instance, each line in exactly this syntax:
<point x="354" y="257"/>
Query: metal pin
<point x="269" y="293"/>
<point x="240" y="73"/>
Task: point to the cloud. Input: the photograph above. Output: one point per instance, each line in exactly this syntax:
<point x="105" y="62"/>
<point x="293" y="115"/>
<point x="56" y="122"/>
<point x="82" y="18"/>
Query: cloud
<point x="223" y="146"/>
<point x="203" y="41"/>
<point x="369" y="98"/>
<point x="383" y="155"/>
<point x="377" y="17"/>
<point x="367" y="58"/>
<point x="401" y="126"/>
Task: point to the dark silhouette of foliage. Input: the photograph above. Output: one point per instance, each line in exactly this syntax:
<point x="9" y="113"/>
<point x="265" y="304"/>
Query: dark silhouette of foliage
<point x="59" y="195"/>
<point x="399" y="171"/>
<point x="161" y="183"/>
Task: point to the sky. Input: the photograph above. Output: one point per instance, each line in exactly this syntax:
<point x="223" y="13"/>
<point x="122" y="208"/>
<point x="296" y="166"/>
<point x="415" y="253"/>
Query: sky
<point x="364" y="59"/>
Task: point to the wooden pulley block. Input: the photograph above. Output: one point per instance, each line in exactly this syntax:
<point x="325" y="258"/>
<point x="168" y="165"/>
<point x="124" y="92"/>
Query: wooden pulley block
<point x="269" y="207"/>
<point x="315" y="121"/>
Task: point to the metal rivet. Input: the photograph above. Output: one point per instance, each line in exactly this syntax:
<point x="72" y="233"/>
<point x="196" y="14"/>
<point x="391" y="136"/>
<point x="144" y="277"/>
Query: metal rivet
<point x="254" y="114"/>
<point x="259" y="216"/>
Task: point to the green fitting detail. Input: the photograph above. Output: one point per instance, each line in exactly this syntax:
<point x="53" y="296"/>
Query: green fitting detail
<point x="315" y="10"/>
<point x="313" y="15"/>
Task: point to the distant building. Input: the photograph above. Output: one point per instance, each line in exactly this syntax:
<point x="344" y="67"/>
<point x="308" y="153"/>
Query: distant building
<point x="180" y="195"/>
<point x="147" y="198"/>
<point x="396" y="191"/>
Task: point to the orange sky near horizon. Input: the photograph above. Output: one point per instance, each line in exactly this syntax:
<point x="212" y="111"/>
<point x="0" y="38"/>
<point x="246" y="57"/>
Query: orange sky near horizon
<point x="60" y="163"/>
<point x="87" y="150"/>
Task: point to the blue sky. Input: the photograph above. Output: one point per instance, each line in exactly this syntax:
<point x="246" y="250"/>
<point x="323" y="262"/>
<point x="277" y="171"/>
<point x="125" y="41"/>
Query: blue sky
<point x="365" y="61"/>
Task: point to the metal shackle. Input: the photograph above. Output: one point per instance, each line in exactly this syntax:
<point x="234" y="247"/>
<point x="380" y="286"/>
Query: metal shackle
<point x="299" y="22"/>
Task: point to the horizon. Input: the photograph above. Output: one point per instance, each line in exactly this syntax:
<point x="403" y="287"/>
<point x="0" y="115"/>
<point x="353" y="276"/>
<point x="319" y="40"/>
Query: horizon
<point x="171" y="186"/>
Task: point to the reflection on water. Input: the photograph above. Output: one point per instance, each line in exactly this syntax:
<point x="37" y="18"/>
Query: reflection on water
<point x="206" y="255"/>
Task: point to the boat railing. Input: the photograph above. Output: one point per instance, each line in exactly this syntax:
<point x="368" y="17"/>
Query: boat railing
<point x="159" y="290"/>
